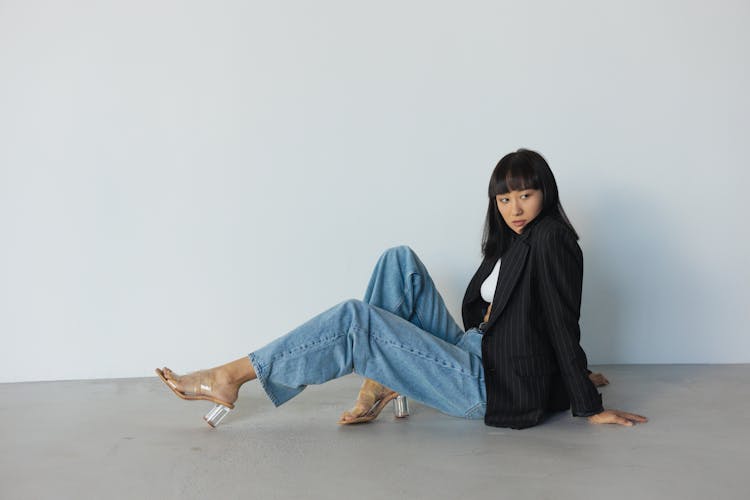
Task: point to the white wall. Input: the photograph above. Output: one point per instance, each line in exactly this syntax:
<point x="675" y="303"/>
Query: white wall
<point x="181" y="182"/>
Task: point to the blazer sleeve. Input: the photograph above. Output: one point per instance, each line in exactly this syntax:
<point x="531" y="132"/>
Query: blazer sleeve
<point x="561" y="281"/>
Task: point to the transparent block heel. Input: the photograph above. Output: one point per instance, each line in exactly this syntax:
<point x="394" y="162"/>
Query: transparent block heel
<point x="216" y="415"/>
<point x="401" y="407"/>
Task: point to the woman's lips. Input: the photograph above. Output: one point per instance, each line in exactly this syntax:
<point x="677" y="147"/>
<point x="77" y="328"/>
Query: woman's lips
<point x="519" y="223"/>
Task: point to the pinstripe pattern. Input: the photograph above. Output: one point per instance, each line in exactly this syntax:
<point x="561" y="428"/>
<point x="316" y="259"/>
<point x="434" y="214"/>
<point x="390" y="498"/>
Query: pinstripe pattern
<point x="531" y="349"/>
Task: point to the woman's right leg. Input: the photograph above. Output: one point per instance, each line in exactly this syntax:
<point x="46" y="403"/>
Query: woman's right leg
<point x="355" y="336"/>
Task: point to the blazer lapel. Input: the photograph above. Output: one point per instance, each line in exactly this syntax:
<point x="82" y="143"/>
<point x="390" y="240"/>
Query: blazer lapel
<point x="510" y="270"/>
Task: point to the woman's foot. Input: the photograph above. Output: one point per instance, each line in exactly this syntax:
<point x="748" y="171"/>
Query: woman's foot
<point x="215" y="384"/>
<point x="371" y="400"/>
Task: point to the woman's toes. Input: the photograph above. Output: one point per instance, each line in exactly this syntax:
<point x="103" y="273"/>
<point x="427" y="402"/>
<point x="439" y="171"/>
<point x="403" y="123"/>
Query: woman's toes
<point x="354" y="413"/>
<point x="349" y="416"/>
<point x="172" y="378"/>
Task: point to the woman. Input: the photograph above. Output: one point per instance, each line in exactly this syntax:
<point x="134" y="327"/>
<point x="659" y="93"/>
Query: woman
<point x="518" y="359"/>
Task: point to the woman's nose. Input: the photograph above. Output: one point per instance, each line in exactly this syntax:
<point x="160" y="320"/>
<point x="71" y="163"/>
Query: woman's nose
<point x="517" y="208"/>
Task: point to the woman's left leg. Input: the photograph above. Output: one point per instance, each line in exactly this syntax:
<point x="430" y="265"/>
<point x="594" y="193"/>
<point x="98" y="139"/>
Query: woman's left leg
<point x="401" y="284"/>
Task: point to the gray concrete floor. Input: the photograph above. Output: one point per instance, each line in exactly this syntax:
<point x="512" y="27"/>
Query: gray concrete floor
<point x="132" y="438"/>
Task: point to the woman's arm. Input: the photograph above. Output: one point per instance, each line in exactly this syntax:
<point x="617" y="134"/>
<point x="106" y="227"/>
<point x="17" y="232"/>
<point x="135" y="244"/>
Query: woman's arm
<point x="561" y="282"/>
<point x="560" y="278"/>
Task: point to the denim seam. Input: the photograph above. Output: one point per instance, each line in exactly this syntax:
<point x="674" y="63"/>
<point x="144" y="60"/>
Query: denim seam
<point x="320" y="343"/>
<point x="418" y="353"/>
<point x="403" y="299"/>
<point x="471" y="410"/>
<point x="416" y="311"/>
<point x="397" y="306"/>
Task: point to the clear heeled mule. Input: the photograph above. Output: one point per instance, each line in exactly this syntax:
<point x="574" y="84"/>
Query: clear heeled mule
<point x="201" y="389"/>
<point x="216" y="415"/>
<point x="400" y="407"/>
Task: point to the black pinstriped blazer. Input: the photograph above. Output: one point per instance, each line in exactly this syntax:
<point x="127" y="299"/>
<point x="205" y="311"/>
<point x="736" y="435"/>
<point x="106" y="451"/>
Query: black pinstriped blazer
<point x="531" y="354"/>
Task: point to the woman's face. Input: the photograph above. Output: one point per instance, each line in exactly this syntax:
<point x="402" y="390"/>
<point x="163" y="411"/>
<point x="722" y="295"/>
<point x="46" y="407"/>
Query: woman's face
<point x="518" y="208"/>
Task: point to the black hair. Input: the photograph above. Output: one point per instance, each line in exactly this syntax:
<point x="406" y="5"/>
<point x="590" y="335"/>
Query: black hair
<point x="523" y="169"/>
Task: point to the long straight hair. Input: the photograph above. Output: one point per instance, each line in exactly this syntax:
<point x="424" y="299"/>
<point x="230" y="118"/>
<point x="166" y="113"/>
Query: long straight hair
<point x="523" y="169"/>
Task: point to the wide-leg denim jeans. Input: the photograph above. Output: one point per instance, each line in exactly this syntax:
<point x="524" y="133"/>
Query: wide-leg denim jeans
<point x="400" y="335"/>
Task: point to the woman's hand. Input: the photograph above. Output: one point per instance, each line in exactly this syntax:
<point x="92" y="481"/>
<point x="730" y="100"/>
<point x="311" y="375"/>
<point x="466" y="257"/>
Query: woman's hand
<point x="598" y="379"/>
<point x="617" y="417"/>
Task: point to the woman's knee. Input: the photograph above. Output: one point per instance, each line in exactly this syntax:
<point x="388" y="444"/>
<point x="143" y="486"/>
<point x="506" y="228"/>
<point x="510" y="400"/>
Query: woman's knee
<point x="355" y="303"/>
<point x="399" y="251"/>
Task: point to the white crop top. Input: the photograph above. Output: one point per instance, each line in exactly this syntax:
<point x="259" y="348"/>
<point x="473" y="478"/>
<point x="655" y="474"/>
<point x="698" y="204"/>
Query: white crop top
<point x="488" y="286"/>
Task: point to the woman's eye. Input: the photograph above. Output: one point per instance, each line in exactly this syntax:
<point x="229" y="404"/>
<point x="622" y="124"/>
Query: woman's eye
<point x="525" y="195"/>
<point x="503" y="200"/>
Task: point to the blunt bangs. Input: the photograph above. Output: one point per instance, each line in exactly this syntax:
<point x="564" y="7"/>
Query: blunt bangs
<point x="515" y="176"/>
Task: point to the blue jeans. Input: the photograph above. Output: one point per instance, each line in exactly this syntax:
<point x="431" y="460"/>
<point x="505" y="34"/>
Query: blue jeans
<point x="400" y="335"/>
